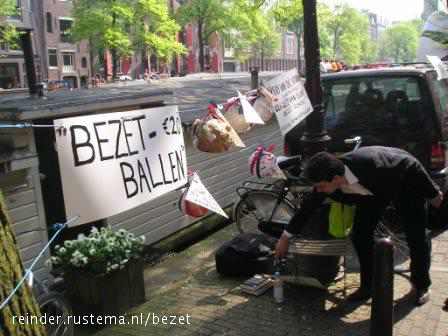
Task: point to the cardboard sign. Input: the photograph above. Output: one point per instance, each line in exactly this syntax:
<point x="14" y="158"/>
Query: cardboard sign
<point x="113" y="162"/>
<point x="292" y="104"/>
<point x="438" y="66"/>
<point x="198" y="194"/>
<point x="251" y="116"/>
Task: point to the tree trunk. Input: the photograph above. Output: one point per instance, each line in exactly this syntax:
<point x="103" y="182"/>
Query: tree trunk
<point x="201" y="47"/>
<point x="114" y="52"/>
<point x="335" y="42"/>
<point x="299" y="50"/>
<point x="11" y="271"/>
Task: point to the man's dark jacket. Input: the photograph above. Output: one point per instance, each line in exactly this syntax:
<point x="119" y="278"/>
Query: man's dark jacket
<point x="388" y="173"/>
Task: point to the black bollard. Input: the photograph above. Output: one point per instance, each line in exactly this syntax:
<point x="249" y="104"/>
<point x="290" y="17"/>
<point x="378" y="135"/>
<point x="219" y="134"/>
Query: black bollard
<point x="254" y="78"/>
<point x="382" y="313"/>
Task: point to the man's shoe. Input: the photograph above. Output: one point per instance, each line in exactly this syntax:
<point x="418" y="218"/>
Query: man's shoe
<point x="422" y="296"/>
<point x="361" y="294"/>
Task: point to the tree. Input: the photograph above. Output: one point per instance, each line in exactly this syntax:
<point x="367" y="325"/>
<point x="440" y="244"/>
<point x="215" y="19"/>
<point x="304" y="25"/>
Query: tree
<point x="155" y="31"/>
<point x="209" y="16"/>
<point x="399" y="42"/>
<point x="289" y="15"/>
<point x="254" y="32"/>
<point x="267" y="39"/>
<point x="8" y="33"/>
<point x="11" y="271"/>
<point x="349" y="32"/>
<point x="104" y="23"/>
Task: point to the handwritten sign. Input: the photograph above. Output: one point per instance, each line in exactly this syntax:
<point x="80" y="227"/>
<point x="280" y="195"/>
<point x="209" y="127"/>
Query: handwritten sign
<point x="292" y="104"/>
<point x="198" y="194"/>
<point x="251" y="116"/>
<point x="113" y="162"/>
<point x="438" y="66"/>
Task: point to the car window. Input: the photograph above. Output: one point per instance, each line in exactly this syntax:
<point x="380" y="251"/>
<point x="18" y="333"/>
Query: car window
<point x="383" y="110"/>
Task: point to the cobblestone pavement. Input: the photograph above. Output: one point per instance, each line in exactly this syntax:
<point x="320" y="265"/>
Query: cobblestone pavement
<point x="187" y="283"/>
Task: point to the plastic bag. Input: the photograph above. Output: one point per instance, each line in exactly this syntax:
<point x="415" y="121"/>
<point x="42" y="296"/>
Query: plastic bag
<point x="213" y="133"/>
<point x="234" y="115"/>
<point x="263" y="163"/>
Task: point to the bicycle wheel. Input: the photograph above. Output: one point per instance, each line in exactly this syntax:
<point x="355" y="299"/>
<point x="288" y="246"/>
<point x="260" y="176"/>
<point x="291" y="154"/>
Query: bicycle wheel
<point x="257" y="206"/>
<point x="54" y="304"/>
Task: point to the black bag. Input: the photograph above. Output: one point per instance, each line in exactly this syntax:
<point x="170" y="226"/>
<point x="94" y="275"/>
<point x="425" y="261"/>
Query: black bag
<point x="245" y="255"/>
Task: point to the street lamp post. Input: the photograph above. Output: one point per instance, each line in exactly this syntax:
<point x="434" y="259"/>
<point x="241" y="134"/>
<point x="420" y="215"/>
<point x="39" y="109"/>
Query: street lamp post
<point x="315" y="138"/>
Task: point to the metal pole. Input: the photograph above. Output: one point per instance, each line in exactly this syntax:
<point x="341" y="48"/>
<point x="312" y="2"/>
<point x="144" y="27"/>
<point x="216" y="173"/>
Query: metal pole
<point x="27" y="47"/>
<point x="382" y="313"/>
<point x="254" y="77"/>
<point x="315" y="137"/>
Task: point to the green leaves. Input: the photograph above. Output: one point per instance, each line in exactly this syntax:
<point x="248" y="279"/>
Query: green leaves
<point x="399" y="42"/>
<point x="127" y="26"/>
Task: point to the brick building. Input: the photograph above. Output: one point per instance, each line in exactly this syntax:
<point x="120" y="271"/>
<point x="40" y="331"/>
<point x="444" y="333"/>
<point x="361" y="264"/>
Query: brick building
<point x="12" y="64"/>
<point x="61" y="58"/>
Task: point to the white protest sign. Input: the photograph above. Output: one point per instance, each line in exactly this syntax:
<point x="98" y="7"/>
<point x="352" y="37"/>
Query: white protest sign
<point x="251" y="116"/>
<point x="198" y="194"/>
<point x="438" y="66"/>
<point x="292" y="104"/>
<point x="113" y="162"/>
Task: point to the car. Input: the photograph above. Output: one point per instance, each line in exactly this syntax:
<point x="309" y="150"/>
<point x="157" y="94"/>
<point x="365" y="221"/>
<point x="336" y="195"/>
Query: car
<point x="405" y="107"/>
<point x="125" y="78"/>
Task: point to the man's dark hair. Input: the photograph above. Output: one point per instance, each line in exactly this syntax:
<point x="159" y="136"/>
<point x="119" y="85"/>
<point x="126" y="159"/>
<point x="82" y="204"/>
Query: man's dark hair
<point x="323" y="166"/>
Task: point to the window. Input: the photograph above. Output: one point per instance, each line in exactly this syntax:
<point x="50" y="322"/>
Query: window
<point x="52" y="58"/>
<point x="84" y="62"/>
<point x="49" y="23"/>
<point x="18" y="14"/>
<point x="68" y="59"/>
<point x="64" y="28"/>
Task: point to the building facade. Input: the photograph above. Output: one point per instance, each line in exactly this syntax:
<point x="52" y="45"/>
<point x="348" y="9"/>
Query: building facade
<point x="12" y="63"/>
<point x="61" y="58"/>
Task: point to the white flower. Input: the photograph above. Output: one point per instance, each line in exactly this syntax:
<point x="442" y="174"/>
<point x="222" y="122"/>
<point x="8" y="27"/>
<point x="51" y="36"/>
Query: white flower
<point x="124" y="261"/>
<point x="94" y="230"/>
<point x="68" y="244"/>
<point x="114" y="266"/>
<point x="81" y="236"/>
<point x="130" y="235"/>
<point x="92" y="251"/>
<point x="122" y="233"/>
<point x="142" y="239"/>
<point x="62" y="250"/>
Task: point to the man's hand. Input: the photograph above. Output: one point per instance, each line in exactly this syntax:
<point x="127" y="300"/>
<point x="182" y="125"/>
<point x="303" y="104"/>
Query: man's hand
<point x="282" y="247"/>
<point x="436" y="202"/>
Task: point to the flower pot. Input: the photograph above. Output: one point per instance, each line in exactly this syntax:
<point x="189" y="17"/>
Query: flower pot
<point x="107" y="294"/>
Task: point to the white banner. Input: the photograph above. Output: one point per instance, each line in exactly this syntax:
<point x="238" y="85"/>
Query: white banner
<point x="113" y="162"/>
<point x="198" y="194"/>
<point x="292" y="104"/>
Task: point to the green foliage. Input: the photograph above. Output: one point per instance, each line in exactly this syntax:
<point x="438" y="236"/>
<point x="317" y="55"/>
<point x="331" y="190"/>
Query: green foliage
<point x="400" y="41"/>
<point x="8" y="33"/>
<point x="101" y="252"/>
<point x="155" y="30"/>
<point x="257" y="37"/>
<point x="127" y="26"/>
<point x="212" y="15"/>
<point x="7" y="8"/>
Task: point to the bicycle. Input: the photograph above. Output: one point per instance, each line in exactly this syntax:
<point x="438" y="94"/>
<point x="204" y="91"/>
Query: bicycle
<point x="268" y="207"/>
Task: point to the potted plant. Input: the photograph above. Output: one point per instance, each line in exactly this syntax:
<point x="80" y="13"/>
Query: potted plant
<point x="103" y="271"/>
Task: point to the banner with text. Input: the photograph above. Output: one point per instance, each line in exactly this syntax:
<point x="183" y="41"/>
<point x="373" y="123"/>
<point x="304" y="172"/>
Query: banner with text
<point x="292" y="104"/>
<point x="113" y="162"/>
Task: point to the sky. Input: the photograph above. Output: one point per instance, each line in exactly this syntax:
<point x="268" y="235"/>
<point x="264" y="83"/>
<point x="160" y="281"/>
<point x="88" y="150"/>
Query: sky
<point x="392" y="10"/>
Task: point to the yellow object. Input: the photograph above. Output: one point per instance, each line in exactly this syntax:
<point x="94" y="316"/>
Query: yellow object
<point x="341" y="219"/>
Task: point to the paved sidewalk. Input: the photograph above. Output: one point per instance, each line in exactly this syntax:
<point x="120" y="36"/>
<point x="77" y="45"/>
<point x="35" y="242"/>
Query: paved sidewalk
<point x="187" y="283"/>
